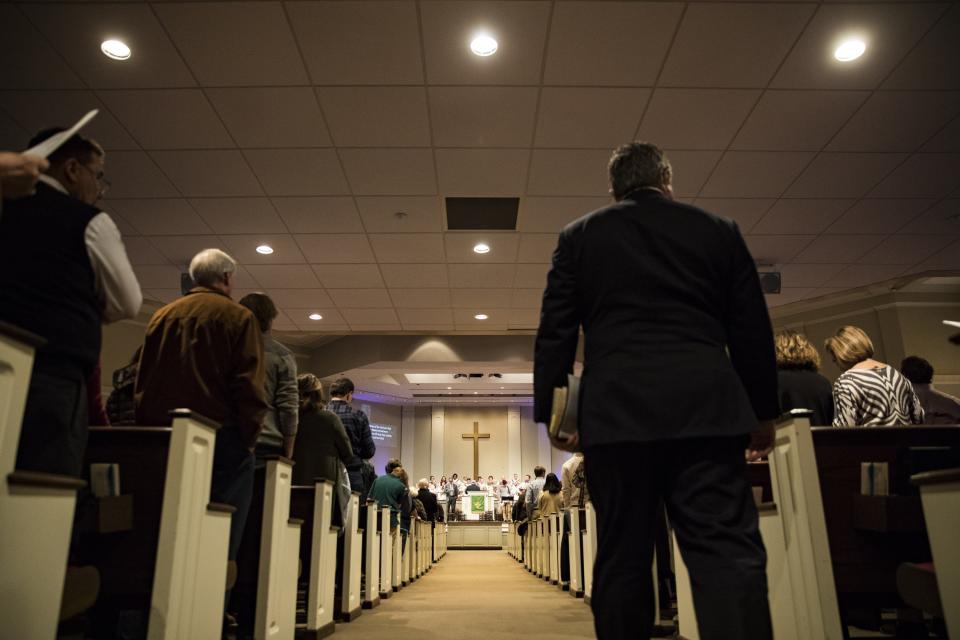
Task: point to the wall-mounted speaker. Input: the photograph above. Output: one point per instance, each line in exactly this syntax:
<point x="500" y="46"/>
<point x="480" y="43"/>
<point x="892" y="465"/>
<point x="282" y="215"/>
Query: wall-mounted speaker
<point x="186" y="283"/>
<point x="770" y="281"/>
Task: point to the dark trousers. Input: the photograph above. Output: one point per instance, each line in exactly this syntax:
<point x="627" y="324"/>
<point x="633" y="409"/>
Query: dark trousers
<point x="54" y="434"/>
<point x="708" y="499"/>
<point x="232" y="482"/>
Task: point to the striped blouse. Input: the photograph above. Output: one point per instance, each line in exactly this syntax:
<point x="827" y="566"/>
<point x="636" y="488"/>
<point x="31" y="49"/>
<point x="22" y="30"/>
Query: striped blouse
<point x="875" y="397"/>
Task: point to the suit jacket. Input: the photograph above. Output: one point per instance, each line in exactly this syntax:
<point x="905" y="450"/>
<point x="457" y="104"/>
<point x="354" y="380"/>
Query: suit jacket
<point x="429" y="503"/>
<point x="677" y="339"/>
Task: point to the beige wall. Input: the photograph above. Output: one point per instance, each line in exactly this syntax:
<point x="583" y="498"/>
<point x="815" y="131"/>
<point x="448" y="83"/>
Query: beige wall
<point x="458" y="453"/>
<point x="421" y="443"/>
<point x="120" y="340"/>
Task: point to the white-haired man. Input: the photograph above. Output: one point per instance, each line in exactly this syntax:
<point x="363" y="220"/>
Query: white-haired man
<point x="204" y="352"/>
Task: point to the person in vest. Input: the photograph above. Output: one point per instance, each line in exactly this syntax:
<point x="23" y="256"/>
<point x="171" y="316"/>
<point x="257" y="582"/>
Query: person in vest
<point x="63" y="273"/>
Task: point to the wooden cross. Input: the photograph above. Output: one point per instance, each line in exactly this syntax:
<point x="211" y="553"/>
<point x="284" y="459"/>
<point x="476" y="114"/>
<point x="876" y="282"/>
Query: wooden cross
<point x="475" y="436"/>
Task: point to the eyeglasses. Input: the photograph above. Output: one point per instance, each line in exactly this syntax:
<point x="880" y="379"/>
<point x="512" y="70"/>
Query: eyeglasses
<point x="101" y="179"/>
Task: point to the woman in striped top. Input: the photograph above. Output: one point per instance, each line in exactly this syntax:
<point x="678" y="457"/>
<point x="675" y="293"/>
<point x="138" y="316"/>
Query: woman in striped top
<point x="868" y="393"/>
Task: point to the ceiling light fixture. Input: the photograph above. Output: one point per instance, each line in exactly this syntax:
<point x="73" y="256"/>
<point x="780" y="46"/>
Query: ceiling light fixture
<point x="483" y="45"/>
<point x="481" y="316"/>
<point x="850" y="49"/>
<point x="115" y="49"/>
<point x="315" y="316"/>
<point x="481" y="248"/>
<point x="265" y="249"/>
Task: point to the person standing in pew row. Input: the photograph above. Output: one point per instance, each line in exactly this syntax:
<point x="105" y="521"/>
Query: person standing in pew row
<point x="280" y="423"/>
<point x="550" y="500"/>
<point x="19" y="173"/>
<point x="322" y="442"/>
<point x="801" y="385"/>
<point x="205" y="352"/>
<point x="64" y="272"/>
<point x="679" y="379"/>
<point x="357" y="425"/>
<point x="388" y="490"/>
<point x="938" y="407"/>
<point x="868" y="393"/>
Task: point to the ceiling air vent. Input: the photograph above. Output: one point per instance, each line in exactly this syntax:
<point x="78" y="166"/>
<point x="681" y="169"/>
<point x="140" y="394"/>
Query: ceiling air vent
<point x="482" y="214"/>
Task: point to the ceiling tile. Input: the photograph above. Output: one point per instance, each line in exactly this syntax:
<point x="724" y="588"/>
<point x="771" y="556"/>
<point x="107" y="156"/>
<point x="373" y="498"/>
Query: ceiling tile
<point x="732" y="44"/>
<point x="691" y="169"/>
<point x="537" y="247"/>
<point x="161" y="216"/>
<point x="24" y="50"/>
<point x="879" y="216"/>
<point x="260" y="117"/>
<point x="923" y="175"/>
<point x="481" y="298"/>
<point x="351" y="248"/>
<point x="235" y="43"/>
<point x="348" y="276"/>
<point x="589" y="117"/>
<point x="843" y="175"/>
<point x="156" y="118"/>
<point x="284" y="276"/>
<point x="379" y="214"/>
<point x="524" y="318"/>
<point x="696" y="118"/>
<point x="590" y="46"/>
<point x="859" y="275"/>
<point x="407" y="247"/>
<point x="552" y="214"/>
<point x="390" y="172"/>
<point x="376" y="116"/>
<point x="208" y="173"/>
<point x="38" y="110"/>
<point x="797" y="120"/>
<point x="239" y="215"/>
<point x="415" y="275"/>
<point x="298" y="172"/>
<point x="943" y="219"/>
<point x="791" y="216"/>
<point x="377" y="328"/>
<point x="526" y="298"/>
<point x="897" y="121"/>
<point x="746" y="212"/>
<point x="949" y="258"/>
<point x="165" y="296"/>
<point x="497" y="319"/>
<point x="758" y="174"/>
<point x="947" y="139"/>
<point x="134" y="175"/>
<point x="774" y="250"/>
<point x="906" y="249"/>
<point x="359" y="42"/>
<point x="244" y="249"/>
<point x="370" y="317"/>
<point x="125" y="228"/>
<point x="481" y="276"/>
<point x="360" y="298"/>
<point x="788" y="295"/>
<point x="331" y="318"/>
<point x="834" y="249"/>
<point x="70" y="27"/>
<point x="156" y="276"/>
<point x="12" y="135"/>
<point x="890" y="30"/>
<point x="448" y="28"/>
<point x="243" y="280"/>
<point x="459" y="247"/>
<point x="425" y="316"/>
<point x="482" y="172"/>
<point x="568" y="173"/>
<point x="283" y="322"/>
<point x="531" y="276"/>
<point x="420" y="298"/>
<point x="180" y="250"/>
<point x="482" y="116"/>
<point x="313" y="299"/>
<point x="808" y="275"/>
<point x="335" y="214"/>
<point x="141" y="251"/>
<point x="933" y="63"/>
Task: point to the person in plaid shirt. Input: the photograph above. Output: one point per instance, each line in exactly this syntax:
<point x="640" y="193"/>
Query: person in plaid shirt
<point x="358" y="429"/>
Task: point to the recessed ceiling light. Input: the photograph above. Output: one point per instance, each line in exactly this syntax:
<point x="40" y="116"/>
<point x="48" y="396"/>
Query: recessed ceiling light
<point x="483" y="45"/>
<point x="481" y="316"/>
<point x="481" y="248"/>
<point x="475" y="392"/>
<point x="265" y="249"/>
<point x="850" y="50"/>
<point x="115" y="49"/>
<point x="449" y="387"/>
<point x="315" y="316"/>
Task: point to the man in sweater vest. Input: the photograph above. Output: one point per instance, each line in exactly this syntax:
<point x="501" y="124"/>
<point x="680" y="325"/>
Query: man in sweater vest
<point x="63" y="272"/>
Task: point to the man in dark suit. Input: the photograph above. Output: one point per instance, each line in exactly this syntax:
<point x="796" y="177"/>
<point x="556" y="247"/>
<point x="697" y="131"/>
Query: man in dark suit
<point x="679" y="379"/>
<point x="428" y="499"/>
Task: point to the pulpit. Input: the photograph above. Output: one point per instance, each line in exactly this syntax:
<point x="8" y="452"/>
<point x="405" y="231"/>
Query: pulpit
<point x="475" y="504"/>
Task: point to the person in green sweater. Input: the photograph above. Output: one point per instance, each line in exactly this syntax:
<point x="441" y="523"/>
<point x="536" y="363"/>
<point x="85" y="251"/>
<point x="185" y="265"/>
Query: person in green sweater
<point x="388" y="491"/>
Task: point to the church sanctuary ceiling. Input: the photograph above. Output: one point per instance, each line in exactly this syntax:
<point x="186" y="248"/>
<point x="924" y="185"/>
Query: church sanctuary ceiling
<point x="334" y="132"/>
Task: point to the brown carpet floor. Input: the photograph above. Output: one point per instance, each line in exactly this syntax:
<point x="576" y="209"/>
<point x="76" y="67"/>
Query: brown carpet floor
<point x="482" y="595"/>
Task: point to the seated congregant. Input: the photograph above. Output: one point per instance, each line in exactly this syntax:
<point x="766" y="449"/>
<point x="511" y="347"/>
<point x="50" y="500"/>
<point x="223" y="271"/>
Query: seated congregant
<point x="938" y="407"/>
<point x="64" y="272"/>
<point x="868" y="393"/>
<point x="322" y="442"/>
<point x="800" y="383"/>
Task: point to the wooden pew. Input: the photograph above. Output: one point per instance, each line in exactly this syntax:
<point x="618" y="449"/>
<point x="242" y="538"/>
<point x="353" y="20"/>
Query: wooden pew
<point x="589" y="550"/>
<point x="396" y="561"/>
<point x="318" y="554"/>
<point x="36" y="509"/>
<point x="575" y="542"/>
<point x="174" y="560"/>
<point x="372" y="545"/>
<point x="351" y="562"/>
<point x="553" y="524"/>
<point x="386" y="554"/>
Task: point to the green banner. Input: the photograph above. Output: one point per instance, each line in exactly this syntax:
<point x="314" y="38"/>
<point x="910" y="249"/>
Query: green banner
<point x="476" y="504"/>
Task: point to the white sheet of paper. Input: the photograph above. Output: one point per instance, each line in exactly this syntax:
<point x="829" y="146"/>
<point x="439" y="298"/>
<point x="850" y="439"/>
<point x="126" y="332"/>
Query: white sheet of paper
<point x="952" y="323"/>
<point x="53" y="143"/>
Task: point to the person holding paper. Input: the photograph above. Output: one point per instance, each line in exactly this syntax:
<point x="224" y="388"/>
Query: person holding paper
<point x="19" y="173"/>
<point x="63" y="272"/>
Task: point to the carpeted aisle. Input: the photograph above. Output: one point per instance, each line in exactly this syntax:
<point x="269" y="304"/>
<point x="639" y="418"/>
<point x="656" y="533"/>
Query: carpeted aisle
<point x="483" y="595"/>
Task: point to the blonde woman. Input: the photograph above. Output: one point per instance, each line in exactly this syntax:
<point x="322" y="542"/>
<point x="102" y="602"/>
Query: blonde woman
<point x="869" y="393"/>
<point x="801" y="386"/>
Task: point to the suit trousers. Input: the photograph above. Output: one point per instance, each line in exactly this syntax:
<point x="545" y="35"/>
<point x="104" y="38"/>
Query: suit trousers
<point x="709" y="502"/>
<point x="53" y="438"/>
